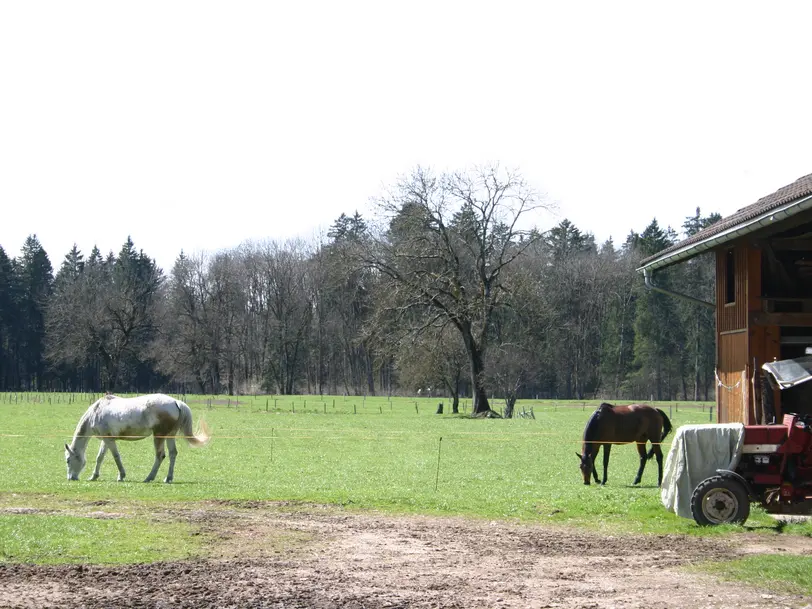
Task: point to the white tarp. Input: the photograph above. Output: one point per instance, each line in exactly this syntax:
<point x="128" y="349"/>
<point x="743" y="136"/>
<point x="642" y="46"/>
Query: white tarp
<point x="696" y="453"/>
<point x="790" y="372"/>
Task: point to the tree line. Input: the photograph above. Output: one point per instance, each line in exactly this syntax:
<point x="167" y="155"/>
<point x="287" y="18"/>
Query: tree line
<point x="444" y="289"/>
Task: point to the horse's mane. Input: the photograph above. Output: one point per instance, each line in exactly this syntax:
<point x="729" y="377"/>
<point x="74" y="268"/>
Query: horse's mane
<point x="82" y="426"/>
<point x="594" y="422"/>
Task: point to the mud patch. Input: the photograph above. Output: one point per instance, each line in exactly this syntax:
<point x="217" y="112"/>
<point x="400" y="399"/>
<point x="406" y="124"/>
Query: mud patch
<point x="276" y="558"/>
<point x="22" y="510"/>
<point x="104" y="515"/>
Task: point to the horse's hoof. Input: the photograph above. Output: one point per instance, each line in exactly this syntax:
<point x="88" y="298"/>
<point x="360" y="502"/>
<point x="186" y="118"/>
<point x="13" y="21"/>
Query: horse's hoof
<point x="148" y="480"/>
<point x="168" y="480"/>
<point x="92" y="478"/>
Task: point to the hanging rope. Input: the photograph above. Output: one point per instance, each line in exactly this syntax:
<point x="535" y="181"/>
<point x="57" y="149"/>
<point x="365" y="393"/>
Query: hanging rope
<point x="719" y="382"/>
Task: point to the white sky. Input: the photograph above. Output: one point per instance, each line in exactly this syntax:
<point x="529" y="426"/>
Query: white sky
<point x="198" y="125"/>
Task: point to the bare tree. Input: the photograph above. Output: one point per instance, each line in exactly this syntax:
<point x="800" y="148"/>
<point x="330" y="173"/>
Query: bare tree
<point x="184" y="350"/>
<point x="288" y="294"/>
<point x="434" y="358"/>
<point x="444" y="247"/>
<point x="227" y="305"/>
<point x="509" y="369"/>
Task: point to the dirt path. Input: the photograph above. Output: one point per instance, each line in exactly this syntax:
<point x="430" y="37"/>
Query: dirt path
<point x="314" y="557"/>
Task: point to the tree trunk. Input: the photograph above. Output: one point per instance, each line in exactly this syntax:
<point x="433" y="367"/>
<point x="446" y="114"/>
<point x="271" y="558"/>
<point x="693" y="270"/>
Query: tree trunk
<point x="370" y="373"/>
<point x="510" y="404"/>
<point x="455" y="394"/>
<point x="477" y="367"/>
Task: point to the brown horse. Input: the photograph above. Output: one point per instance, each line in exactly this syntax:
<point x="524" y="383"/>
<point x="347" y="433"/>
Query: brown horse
<point x="620" y="425"/>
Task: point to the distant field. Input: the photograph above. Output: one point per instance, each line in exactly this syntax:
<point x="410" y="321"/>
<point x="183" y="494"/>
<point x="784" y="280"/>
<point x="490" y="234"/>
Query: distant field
<point x="394" y="455"/>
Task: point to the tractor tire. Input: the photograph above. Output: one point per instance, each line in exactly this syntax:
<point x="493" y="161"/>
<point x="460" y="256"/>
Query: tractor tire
<point x="720" y="500"/>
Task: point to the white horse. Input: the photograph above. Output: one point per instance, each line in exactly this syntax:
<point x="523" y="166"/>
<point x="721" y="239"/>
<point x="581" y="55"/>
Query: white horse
<point x="113" y="418"/>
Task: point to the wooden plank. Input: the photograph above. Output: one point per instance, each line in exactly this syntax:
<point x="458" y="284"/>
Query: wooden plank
<point x="732" y="315"/>
<point x="795" y="245"/>
<point x="781" y="319"/>
<point x="732" y="386"/>
<point x="742" y="285"/>
<point x="754" y="300"/>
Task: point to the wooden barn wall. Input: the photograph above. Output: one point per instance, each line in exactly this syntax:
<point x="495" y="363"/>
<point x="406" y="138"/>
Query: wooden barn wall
<point x="764" y="341"/>
<point x="733" y="387"/>
<point x="733" y="353"/>
<point x="731" y="316"/>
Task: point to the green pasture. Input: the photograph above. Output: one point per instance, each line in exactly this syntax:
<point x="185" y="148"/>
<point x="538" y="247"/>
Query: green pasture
<point x="394" y="455"/>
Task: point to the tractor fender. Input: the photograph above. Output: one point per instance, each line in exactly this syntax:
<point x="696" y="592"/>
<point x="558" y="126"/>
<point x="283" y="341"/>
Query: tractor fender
<point x="726" y="473"/>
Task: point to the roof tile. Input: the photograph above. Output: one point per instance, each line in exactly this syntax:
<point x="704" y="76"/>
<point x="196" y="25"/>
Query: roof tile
<point x="798" y="189"/>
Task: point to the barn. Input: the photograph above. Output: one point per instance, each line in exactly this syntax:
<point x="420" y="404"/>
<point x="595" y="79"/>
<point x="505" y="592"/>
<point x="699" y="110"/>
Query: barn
<point x="763" y="302"/>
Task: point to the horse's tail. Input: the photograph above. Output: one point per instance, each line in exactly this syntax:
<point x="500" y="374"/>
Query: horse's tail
<point x="666" y="424"/>
<point x="202" y="436"/>
<point x="666" y="430"/>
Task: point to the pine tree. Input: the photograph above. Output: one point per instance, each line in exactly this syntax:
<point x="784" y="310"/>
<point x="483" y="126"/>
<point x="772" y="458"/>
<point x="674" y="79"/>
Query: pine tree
<point x="73" y="265"/>
<point x="658" y="341"/>
<point x="696" y="277"/>
<point x="35" y="277"/>
<point x="8" y="317"/>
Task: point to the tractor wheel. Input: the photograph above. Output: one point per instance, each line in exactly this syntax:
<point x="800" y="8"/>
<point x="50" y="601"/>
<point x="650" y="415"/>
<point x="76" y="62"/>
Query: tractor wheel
<point x="719" y="500"/>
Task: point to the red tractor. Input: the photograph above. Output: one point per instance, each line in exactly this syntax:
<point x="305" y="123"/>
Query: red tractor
<point x="775" y="468"/>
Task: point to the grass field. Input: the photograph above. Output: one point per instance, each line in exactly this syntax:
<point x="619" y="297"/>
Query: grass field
<point x="394" y="455"/>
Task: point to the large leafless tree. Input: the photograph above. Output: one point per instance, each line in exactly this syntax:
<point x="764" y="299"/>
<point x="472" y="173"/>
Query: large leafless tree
<point x="444" y="243"/>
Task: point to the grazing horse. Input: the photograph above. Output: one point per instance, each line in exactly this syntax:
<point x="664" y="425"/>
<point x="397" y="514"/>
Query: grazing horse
<point x="113" y="418"/>
<point x="620" y="425"/>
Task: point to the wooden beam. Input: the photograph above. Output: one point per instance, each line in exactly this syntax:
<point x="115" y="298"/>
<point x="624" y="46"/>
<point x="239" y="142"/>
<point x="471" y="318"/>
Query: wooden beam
<point x="781" y="319"/>
<point x="771" y="304"/>
<point x="795" y="245"/>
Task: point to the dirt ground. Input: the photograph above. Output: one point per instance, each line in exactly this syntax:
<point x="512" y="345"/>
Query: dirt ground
<point x="282" y="556"/>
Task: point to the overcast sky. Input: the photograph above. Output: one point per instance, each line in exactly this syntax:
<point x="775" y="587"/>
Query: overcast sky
<point x="199" y="125"/>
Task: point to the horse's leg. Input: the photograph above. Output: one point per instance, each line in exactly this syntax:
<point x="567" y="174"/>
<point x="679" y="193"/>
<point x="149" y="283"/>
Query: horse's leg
<point x="594" y="469"/>
<point x="173" y="452"/>
<point x="659" y="454"/>
<point x="159" y="457"/>
<point x="606" y="449"/>
<point x="641" y="450"/>
<point x="99" y="459"/>
<point x="111" y="446"/>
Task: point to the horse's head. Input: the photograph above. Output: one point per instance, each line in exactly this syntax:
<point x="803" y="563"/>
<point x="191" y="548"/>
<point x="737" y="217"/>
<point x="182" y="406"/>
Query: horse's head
<point x="586" y="465"/>
<point x="75" y="462"/>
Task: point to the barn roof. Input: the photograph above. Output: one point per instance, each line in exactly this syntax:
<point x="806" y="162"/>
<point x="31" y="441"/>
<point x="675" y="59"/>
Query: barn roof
<point x="783" y="203"/>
